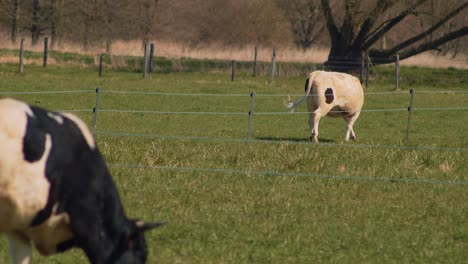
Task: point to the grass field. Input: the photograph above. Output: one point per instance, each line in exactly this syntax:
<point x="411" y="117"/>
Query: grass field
<point x="278" y="199"/>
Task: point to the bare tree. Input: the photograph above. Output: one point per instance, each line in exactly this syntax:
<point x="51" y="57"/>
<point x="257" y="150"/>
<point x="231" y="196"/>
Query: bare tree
<point x="305" y="19"/>
<point x="148" y="11"/>
<point x="87" y="17"/>
<point x="229" y="22"/>
<point x="35" y="22"/>
<point x="360" y="30"/>
<point x="56" y="15"/>
<point x="13" y="14"/>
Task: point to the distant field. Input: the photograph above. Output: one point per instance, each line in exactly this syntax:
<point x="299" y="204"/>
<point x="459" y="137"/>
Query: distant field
<point x="278" y="199"/>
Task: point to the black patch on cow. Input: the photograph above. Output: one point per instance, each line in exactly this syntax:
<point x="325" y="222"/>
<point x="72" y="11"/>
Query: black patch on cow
<point x="70" y="163"/>
<point x="329" y="97"/>
<point x="306" y="84"/>
<point x="33" y="141"/>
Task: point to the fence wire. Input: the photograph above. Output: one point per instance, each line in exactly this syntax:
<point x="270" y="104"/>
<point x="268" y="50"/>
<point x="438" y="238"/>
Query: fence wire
<point x="265" y="173"/>
<point x="48" y="92"/>
<point x="212" y="94"/>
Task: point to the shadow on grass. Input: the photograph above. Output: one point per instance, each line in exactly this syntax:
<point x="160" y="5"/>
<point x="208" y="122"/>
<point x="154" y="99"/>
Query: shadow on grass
<point x="295" y="140"/>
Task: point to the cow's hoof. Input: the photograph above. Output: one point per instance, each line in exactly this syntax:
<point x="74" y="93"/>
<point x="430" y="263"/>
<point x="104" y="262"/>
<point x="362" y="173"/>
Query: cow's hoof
<point x="313" y="139"/>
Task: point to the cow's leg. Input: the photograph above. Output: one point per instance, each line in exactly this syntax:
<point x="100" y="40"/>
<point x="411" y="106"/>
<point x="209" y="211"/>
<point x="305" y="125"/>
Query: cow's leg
<point x="20" y="248"/>
<point x="314" y="120"/>
<point x="349" y="126"/>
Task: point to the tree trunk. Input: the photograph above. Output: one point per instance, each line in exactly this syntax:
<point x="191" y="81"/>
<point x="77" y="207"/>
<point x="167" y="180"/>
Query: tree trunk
<point x="55" y="22"/>
<point x="354" y="36"/>
<point x="342" y="56"/>
<point x="35" y="31"/>
<point x="14" y="21"/>
<point x="87" y="32"/>
<point x="109" y="46"/>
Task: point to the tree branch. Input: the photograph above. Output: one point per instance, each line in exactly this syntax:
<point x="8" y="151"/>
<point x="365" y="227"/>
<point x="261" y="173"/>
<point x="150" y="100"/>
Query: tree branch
<point x="434" y="44"/>
<point x="429" y="31"/>
<point x="326" y="9"/>
<point x="381" y="7"/>
<point x="382" y="29"/>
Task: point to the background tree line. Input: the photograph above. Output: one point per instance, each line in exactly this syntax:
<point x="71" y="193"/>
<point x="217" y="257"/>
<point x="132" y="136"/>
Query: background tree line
<point x="379" y="27"/>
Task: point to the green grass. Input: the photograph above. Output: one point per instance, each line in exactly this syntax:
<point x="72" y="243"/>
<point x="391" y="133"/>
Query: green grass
<point x="282" y="201"/>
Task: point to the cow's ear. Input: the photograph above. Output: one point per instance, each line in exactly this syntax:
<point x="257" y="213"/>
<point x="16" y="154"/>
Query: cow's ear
<point x="143" y="226"/>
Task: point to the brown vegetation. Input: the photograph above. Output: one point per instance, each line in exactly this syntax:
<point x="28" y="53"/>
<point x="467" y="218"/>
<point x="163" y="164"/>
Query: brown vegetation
<point x="225" y="29"/>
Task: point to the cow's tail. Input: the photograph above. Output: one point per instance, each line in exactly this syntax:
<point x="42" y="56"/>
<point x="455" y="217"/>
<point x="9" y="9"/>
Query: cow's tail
<point x="292" y="105"/>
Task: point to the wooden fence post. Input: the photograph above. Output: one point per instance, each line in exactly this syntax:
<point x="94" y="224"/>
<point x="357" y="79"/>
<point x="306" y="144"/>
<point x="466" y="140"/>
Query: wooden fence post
<point x="397" y="71"/>
<point x="255" y="63"/>
<point x="21" y="55"/>
<point x="272" y="69"/>
<point x="410" y="110"/>
<point x="233" y="70"/>
<point x="145" y="61"/>
<point x="95" y="110"/>
<point x="367" y="70"/>
<point x="100" y="65"/>
<point x="361" y="70"/>
<point x="46" y="51"/>
<point x="251" y="113"/>
<point x="151" y="58"/>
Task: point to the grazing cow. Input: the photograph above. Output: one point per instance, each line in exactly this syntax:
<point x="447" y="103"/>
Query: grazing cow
<point x="56" y="191"/>
<point x="332" y="94"/>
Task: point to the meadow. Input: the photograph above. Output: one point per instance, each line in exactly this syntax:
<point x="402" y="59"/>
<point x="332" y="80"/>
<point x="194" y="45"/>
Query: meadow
<point x="277" y="199"/>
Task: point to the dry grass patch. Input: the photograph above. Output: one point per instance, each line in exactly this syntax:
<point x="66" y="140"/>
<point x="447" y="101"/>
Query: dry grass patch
<point x="173" y="49"/>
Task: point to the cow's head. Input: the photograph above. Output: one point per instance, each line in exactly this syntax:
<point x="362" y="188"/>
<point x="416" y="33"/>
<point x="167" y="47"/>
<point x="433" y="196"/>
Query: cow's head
<point x="132" y="246"/>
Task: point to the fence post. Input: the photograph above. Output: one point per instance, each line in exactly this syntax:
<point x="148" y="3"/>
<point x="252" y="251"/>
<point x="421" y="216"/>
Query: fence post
<point x="46" y="51"/>
<point x="21" y="55"/>
<point x="273" y="61"/>
<point x="361" y="70"/>
<point x="95" y="110"/>
<point x="233" y="70"/>
<point x="367" y="70"/>
<point x="397" y="71"/>
<point x="410" y="109"/>
<point x="255" y="63"/>
<point x="145" y="61"/>
<point x="151" y="58"/>
<point x="251" y="113"/>
<point x="100" y="65"/>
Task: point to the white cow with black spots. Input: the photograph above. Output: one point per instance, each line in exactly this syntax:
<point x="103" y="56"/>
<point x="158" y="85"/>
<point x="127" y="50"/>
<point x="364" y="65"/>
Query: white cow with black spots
<point x="332" y="94"/>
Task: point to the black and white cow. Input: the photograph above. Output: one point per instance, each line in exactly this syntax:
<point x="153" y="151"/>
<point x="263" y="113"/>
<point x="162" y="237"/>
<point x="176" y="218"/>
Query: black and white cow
<point x="56" y="190"/>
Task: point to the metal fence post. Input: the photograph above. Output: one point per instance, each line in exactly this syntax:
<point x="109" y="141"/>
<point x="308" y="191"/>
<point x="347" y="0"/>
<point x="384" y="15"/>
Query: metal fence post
<point x="95" y="110"/>
<point x="410" y="109"/>
<point x="251" y="113"/>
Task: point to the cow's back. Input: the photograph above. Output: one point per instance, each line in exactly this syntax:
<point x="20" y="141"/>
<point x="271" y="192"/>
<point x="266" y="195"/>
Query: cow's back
<point x="334" y="91"/>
